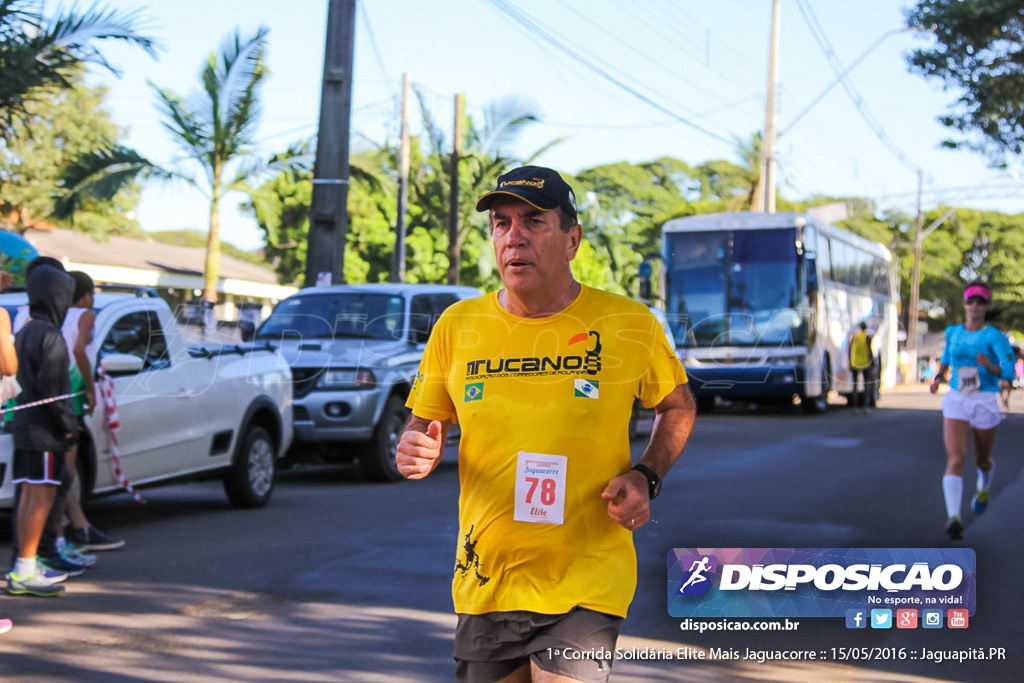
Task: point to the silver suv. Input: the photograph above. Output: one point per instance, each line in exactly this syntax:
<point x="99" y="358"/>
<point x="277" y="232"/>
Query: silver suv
<point x="353" y="351"/>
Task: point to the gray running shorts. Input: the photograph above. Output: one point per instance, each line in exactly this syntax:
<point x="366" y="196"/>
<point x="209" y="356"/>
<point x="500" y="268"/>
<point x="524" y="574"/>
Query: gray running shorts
<point x="579" y="644"/>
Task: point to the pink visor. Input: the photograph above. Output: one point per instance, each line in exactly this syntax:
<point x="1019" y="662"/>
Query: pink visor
<point x="978" y="290"/>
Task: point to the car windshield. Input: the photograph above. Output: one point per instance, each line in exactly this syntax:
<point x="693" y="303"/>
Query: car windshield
<point x="334" y="315"/>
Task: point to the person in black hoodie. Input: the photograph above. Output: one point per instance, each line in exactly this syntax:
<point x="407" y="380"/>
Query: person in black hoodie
<point x="43" y="433"/>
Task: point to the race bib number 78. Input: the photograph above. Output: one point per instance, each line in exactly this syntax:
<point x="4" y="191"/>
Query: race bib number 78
<point x="540" y="488"/>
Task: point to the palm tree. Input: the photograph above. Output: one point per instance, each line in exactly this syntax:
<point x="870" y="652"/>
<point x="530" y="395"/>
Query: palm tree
<point x="751" y="155"/>
<point x="483" y="158"/>
<point x="216" y="128"/>
<point x="36" y="52"/>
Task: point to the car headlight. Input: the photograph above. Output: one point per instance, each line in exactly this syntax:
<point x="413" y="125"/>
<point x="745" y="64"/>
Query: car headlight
<point x="337" y="379"/>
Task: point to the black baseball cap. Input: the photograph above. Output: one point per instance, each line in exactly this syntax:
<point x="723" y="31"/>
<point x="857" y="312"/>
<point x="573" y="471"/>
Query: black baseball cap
<point x="540" y="187"/>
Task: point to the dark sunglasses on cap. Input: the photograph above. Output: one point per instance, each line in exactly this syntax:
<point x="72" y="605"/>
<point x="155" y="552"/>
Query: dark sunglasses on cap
<point x="977" y="301"/>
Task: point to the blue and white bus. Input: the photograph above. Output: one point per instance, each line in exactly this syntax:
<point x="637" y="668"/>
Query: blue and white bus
<point x="762" y="306"/>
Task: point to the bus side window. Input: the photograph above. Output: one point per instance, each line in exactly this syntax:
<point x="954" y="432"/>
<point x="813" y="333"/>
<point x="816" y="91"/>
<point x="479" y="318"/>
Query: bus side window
<point x="811" y="264"/>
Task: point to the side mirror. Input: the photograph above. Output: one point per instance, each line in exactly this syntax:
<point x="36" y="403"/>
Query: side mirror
<point x="115" y="364"/>
<point x="247" y="330"/>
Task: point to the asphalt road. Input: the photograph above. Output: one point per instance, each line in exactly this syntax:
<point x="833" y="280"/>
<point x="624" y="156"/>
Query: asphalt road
<point x="341" y="580"/>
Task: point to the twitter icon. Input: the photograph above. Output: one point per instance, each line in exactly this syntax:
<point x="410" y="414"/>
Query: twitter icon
<point x="881" y="618"/>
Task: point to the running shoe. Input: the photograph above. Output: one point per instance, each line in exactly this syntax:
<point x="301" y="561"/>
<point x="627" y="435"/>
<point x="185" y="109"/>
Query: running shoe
<point x="980" y="502"/>
<point x="60" y="563"/>
<point x="91" y="538"/>
<point x="955" y="529"/>
<point x="71" y="552"/>
<point x="6" y="625"/>
<point x="33" y="584"/>
<point x="51" y="575"/>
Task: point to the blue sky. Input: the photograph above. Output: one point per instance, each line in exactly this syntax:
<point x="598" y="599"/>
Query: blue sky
<point x="702" y="63"/>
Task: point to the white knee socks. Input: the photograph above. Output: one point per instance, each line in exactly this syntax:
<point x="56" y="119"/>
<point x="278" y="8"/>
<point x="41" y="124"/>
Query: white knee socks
<point x="953" y="490"/>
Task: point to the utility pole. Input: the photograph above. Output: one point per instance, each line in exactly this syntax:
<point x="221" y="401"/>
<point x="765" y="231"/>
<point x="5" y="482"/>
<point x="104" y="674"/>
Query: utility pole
<point x="328" y="219"/>
<point x="454" y="257"/>
<point x="915" y="283"/>
<point x="398" y="258"/>
<point x="768" y="174"/>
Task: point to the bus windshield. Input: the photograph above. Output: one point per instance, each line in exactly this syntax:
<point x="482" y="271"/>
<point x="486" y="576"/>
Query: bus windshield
<point x="734" y="287"/>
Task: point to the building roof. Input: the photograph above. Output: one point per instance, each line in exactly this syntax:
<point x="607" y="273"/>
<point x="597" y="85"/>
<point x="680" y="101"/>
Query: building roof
<point x="128" y="252"/>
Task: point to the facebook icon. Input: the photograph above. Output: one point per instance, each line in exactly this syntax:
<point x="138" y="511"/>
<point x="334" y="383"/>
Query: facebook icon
<point x="856" y="618"/>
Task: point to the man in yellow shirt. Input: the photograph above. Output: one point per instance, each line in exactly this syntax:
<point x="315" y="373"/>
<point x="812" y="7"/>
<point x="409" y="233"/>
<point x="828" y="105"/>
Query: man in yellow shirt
<point x="541" y="376"/>
<point x="861" y="361"/>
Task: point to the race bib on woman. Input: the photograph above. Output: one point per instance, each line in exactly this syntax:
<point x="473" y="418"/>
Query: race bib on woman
<point x="968" y="380"/>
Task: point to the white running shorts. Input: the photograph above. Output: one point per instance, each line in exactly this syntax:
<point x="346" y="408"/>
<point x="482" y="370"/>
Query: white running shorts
<point x="981" y="408"/>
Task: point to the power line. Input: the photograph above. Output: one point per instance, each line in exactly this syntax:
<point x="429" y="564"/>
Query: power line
<point x="819" y="36"/>
<point x="532" y="26"/>
<point x="629" y="46"/>
<point x="376" y="50"/>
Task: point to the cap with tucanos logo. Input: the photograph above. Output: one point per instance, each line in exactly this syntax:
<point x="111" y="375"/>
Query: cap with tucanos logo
<point x="540" y="187"/>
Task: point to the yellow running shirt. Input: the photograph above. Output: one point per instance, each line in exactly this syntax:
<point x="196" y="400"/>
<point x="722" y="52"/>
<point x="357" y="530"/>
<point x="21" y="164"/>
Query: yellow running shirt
<point x="544" y="406"/>
<point x="860" y="351"/>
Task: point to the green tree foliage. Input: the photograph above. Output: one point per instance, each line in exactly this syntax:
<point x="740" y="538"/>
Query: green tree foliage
<point x="39" y="53"/>
<point x="55" y="128"/>
<point x="621" y="208"/>
<point x="281" y="207"/>
<point x="979" y="51"/>
<point x="216" y="127"/>
<point x="624" y="205"/>
<point x="41" y="62"/>
<point x="993" y="252"/>
<point x="484" y="157"/>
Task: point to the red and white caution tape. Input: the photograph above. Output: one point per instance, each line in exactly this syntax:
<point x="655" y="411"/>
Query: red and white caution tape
<point x="106" y="389"/>
<point x="40" y="402"/>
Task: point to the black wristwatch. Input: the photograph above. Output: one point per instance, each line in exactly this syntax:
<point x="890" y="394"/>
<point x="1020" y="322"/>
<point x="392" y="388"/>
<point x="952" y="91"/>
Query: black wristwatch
<point x="653" y="480"/>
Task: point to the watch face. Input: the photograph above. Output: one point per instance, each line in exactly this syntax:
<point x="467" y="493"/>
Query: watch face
<point x="653" y="480"/>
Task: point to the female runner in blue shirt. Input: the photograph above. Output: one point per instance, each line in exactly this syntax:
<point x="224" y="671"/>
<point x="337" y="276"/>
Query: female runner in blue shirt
<point x="979" y="356"/>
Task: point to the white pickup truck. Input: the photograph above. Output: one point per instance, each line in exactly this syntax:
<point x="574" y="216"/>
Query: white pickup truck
<point x="186" y="412"/>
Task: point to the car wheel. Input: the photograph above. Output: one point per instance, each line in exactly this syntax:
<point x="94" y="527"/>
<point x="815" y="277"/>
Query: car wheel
<point x="250" y="481"/>
<point x="705" y="404"/>
<point x="377" y="458"/>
